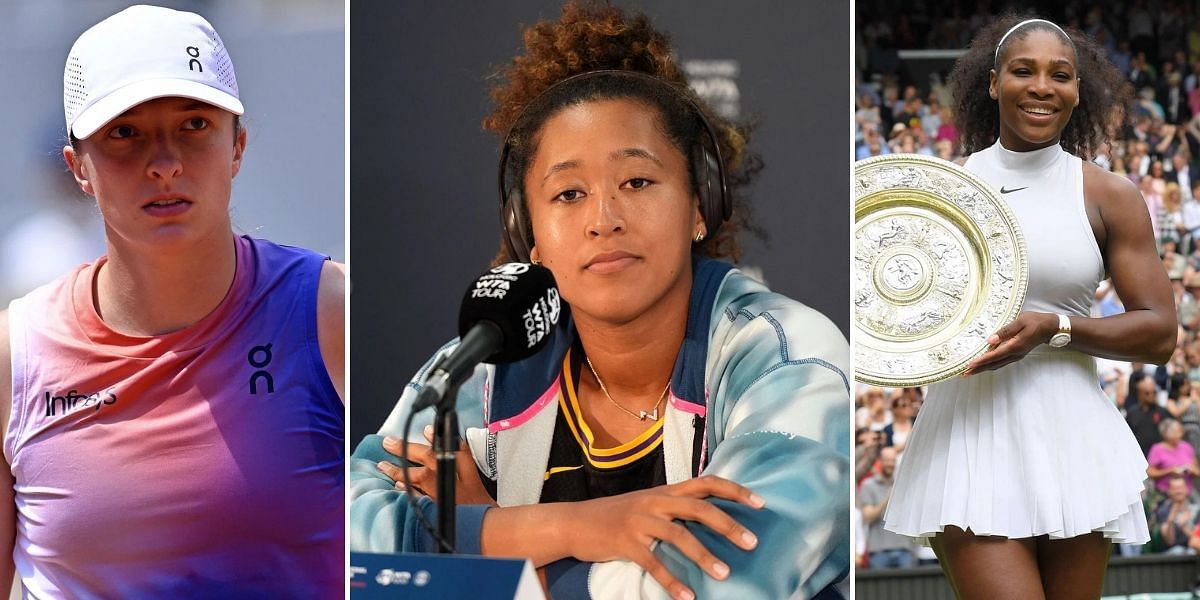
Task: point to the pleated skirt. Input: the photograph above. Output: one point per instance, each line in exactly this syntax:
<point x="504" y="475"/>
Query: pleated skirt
<point x="1033" y="449"/>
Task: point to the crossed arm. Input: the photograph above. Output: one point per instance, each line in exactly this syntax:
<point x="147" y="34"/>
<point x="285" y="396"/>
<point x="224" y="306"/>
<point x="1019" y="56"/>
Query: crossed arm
<point x="783" y="443"/>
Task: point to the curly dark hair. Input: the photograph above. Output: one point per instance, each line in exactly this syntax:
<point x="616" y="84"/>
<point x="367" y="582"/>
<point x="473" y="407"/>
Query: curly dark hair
<point x="1102" y="88"/>
<point x="594" y="36"/>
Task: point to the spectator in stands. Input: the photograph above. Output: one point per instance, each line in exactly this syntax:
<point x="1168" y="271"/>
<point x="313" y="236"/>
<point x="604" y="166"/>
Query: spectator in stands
<point x="1193" y="267"/>
<point x="916" y="397"/>
<point x="896" y="433"/>
<point x="1175" y="518"/>
<point x="873" y="144"/>
<point x="1181" y="173"/>
<point x="866" y="117"/>
<point x="1194" y="540"/>
<point x="884" y="548"/>
<point x="1118" y="166"/>
<point x="1185" y="406"/>
<point x="1122" y="58"/>
<point x="867" y="445"/>
<point x="1190" y="215"/>
<point x="947" y="131"/>
<point x="878" y="413"/>
<point x="1173" y="262"/>
<point x="1141" y="75"/>
<point x="1173" y="97"/>
<point x="1191" y="354"/>
<point x="931" y="115"/>
<point x="1189" y="306"/>
<point x="1170" y="219"/>
<point x="904" y="142"/>
<point x="1145" y="414"/>
<point x="1151" y="188"/>
<point x="1172" y="457"/>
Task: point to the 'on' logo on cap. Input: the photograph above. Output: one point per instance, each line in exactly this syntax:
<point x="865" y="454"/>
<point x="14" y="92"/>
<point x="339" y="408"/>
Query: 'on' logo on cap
<point x="193" y="64"/>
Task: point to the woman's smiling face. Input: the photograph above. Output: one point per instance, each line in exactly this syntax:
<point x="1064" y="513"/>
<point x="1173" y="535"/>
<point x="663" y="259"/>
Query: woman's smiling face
<point x="1037" y="87"/>
<point x="612" y="208"/>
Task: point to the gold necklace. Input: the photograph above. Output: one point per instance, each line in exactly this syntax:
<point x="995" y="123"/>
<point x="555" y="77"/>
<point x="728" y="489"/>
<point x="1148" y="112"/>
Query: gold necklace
<point x="641" y="415"/>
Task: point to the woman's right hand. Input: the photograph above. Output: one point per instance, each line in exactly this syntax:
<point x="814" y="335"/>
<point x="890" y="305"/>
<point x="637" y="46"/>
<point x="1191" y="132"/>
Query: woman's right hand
<point x="624" y="527"/>
<point x="469" y="488"/>
<point x="1013" y="341"/>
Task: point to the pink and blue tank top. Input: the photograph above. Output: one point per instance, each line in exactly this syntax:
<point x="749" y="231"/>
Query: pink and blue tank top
<point x="203" y="463"/>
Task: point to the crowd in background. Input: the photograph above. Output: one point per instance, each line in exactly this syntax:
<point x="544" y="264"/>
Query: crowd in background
<point x="1156" y="144"/>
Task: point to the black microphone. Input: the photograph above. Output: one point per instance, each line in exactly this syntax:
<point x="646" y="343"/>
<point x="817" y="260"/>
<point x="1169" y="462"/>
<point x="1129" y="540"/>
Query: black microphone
<point x="507" y="315"/>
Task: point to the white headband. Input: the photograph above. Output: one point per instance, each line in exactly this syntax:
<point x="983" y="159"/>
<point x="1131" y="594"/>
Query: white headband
<point x="1022" y="24"/>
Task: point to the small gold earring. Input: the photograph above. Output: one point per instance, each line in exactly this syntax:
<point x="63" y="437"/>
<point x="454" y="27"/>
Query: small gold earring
<point x="535" y="261"/>
<point x="699" y="236"/>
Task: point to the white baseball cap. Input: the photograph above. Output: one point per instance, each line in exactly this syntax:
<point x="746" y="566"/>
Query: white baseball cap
<point x="143" y="53"/>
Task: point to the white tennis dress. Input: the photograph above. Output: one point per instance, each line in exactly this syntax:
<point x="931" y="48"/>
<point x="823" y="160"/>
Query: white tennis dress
<point x="1035" y="447"/>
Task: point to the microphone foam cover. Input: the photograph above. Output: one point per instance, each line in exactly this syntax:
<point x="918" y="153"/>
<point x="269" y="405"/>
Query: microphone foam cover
<point x="522" y="300"/>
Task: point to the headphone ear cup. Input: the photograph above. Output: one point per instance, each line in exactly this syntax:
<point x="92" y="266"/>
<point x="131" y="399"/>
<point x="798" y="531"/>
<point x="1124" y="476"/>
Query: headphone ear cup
<point x="713" y="203"/>
<point x="516" y="231"/>
<point x="703" y="184"/>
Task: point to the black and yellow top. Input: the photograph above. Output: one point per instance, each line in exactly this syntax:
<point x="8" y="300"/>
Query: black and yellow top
<point x="579" y="470"/>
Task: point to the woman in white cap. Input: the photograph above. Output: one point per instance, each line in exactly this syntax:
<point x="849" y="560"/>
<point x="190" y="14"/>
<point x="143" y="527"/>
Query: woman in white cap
<point x="1022" y="473"/>
<point x="174" y="427"/>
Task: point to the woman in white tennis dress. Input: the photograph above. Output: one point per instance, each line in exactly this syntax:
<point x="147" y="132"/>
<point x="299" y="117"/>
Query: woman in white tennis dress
<point x="1021" y="473"/>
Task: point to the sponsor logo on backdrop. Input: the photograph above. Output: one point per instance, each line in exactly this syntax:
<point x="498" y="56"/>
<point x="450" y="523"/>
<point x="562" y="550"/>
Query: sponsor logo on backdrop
<point x="716" y="82"/>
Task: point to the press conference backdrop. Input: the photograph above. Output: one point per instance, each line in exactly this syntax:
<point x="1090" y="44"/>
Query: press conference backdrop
<point x="290" y="62"/>
<point x="424" y="207"/>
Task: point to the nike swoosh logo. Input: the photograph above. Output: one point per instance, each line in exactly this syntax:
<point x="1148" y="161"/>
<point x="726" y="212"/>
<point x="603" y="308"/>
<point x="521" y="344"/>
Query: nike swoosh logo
<point x="556" y="470"/>
<point x="1004" y="191"/>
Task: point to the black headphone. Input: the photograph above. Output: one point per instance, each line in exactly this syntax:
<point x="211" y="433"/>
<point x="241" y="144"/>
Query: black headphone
<point x="716" y="205"/>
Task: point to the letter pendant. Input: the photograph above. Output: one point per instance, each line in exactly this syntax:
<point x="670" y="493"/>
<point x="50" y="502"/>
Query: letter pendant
<point x="652" y="415"/>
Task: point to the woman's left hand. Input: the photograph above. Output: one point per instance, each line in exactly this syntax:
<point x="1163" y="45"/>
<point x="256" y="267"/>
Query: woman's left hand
<point x="423" y="475"/>
<point x="1013" y="341"/>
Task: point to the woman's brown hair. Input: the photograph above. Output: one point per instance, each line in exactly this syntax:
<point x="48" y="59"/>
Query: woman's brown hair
<point x="591" y="36"/>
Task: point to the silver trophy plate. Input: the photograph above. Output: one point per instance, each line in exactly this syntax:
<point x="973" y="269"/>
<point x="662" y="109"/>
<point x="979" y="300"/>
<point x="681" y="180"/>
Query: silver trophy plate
<point x="939" y="266"/>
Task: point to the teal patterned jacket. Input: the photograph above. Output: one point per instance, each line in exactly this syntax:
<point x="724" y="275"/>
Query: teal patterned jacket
<point x="768" y="378"/>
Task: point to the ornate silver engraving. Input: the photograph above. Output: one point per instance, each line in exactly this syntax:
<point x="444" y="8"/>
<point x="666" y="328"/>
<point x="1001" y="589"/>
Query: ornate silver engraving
<point x="939" y="265"/>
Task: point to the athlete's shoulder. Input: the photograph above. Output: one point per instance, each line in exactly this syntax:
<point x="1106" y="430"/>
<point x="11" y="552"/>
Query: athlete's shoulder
<point x="56" y="288"/>
<point x="333" y="281"/>
<point x="280" y="268"/>
<point x="331" y="321"/>
<point x="1119" y="201"/>
<point x="269" y="251"/>
<point x="1111" y="185"/>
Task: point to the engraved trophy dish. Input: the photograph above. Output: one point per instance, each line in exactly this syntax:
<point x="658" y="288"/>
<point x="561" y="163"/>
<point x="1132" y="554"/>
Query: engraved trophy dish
<point x="939" y="266"/>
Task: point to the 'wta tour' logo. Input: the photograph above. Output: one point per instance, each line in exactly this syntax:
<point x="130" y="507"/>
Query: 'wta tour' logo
<point x="497" y="282"/>
<point x="542" y="317"/>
